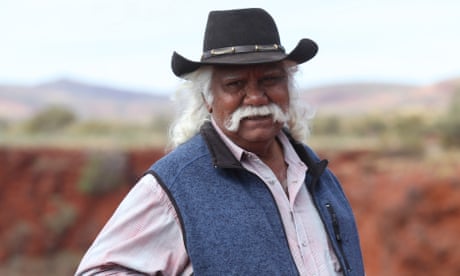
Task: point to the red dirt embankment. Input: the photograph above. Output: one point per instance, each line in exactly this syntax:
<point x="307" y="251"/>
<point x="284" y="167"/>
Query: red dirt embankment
<point x="407" y="211"/>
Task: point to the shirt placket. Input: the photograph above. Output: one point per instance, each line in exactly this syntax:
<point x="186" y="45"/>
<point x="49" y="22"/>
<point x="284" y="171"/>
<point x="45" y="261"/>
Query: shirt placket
<point x="287" y="213"/>
<point x="306" y="241"/>
<point x="297" y="191"/>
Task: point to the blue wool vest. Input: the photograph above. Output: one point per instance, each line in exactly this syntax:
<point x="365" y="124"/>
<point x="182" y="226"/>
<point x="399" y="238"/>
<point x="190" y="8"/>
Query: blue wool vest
<point x="229" y="219"/>
<point x="231" y="223"/>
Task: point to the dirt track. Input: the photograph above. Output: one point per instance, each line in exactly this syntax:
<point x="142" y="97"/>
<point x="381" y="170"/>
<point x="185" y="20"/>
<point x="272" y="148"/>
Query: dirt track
<point x="407" y="211"/>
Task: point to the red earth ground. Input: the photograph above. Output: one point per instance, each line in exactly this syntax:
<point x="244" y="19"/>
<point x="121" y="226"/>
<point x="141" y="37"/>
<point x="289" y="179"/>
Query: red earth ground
<point x="407" y="209"/>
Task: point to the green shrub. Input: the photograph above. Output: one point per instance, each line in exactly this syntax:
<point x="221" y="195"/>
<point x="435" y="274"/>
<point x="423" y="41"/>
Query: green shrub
<point x="330" y="125"/>
<point x="450" y="123"/>
<point x="62" y="219"/>
<point x="95" y="127"/>
<point x="372" y="125"/>
<point x="16" y="237"/>
<point x="161" y="124"/>
<point x="51" y="119"/>
<point x="102" y="172"/>
<point x="4" y="124"/>
<point x="410" y="130"/>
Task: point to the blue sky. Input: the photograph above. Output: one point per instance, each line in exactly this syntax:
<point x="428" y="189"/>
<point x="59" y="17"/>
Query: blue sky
<point x="128" y="43"/>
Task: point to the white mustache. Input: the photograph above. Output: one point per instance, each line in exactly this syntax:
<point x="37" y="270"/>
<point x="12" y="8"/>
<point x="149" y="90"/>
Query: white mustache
<point x="233" y="122"/>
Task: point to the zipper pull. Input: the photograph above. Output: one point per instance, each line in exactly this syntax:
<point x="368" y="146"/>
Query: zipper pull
<point x="338" y="237"/>
<point x="335" y="222"/>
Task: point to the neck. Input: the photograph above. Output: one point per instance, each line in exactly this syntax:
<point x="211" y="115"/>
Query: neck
<point x="272" y="152"/>
<point x="264" y="150"/>
<point x="275" y="160"/>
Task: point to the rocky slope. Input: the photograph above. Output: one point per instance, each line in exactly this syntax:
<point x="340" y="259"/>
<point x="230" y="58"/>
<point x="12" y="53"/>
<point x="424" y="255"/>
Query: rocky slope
<point x="407" y="209"/>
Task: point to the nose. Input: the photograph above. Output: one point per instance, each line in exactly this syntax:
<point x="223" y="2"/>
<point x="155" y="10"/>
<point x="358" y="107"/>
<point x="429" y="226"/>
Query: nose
<point x="255" y="94"/>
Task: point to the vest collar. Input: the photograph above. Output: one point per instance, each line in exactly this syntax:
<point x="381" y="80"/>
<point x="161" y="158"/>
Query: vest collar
<point x="222" y="157"/>
<point x="315" y="168"/>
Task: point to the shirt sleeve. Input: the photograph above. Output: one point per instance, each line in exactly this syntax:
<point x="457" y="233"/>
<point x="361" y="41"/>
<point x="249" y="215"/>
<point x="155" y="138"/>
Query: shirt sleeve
<point x="142" y="237"/>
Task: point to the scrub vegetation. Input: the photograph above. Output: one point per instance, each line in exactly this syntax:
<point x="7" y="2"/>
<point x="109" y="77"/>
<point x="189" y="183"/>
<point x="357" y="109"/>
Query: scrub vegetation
<point x="405" y="131"/>
<point x="59" y="127"/>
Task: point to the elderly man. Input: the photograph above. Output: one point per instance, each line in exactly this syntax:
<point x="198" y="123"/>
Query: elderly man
<point x="239" y="194"/>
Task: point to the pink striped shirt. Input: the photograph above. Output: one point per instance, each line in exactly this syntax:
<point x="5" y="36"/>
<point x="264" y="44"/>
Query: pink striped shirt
<point x="144" y="234"/>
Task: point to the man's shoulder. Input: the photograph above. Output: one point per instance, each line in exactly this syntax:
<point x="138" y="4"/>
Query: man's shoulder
<point x="187" y="161"/>
<point x="185" y="153"/>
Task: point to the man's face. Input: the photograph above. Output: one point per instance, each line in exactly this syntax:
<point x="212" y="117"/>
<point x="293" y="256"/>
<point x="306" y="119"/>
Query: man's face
<point x="236" y="87"/>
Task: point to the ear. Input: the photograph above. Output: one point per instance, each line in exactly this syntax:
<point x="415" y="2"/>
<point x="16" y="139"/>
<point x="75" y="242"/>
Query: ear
<point x="208" y="105"/>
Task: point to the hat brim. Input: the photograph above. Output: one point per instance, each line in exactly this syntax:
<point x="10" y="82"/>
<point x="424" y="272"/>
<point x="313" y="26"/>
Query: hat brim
<point x="304" y="51"/>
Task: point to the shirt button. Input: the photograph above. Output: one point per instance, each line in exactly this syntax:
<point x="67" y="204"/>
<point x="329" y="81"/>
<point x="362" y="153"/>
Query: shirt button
<point x="304" y="244"/>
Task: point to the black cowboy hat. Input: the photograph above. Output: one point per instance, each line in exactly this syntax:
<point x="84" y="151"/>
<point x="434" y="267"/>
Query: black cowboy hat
<point x="245" y="36"/>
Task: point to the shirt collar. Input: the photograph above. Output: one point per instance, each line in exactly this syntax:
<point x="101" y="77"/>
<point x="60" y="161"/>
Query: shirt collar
<point x="222" y="157"/>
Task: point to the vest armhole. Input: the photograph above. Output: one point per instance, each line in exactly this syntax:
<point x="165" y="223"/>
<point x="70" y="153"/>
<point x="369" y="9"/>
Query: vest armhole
<point x="173" y="201"/>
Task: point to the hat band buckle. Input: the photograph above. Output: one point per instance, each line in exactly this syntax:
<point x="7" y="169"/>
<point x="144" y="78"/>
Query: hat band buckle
<point x="240" y="50"/>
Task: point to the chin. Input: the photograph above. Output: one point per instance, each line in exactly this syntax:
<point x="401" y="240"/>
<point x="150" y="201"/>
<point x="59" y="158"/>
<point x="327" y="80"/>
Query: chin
<point x="259" y="134"/>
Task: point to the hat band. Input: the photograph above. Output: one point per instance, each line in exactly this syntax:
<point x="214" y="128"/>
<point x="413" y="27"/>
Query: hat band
<point x="241" y="49"/>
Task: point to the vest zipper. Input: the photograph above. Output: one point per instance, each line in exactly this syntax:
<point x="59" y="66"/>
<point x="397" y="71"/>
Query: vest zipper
<point x="338" y="237"/>
<point x="311" y="183"/>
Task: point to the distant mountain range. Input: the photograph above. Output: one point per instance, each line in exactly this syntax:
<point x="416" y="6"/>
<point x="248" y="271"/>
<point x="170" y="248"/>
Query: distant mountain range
<point x="359" y="98"/>
<point x="85" y="100"/>
<point x="97" y="102"/>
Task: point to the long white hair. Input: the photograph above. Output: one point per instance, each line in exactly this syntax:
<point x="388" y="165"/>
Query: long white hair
<point x="195" y="91"/>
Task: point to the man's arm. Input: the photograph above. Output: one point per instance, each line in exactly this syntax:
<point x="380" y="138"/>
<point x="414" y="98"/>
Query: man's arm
<point x="143" y="236"/>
